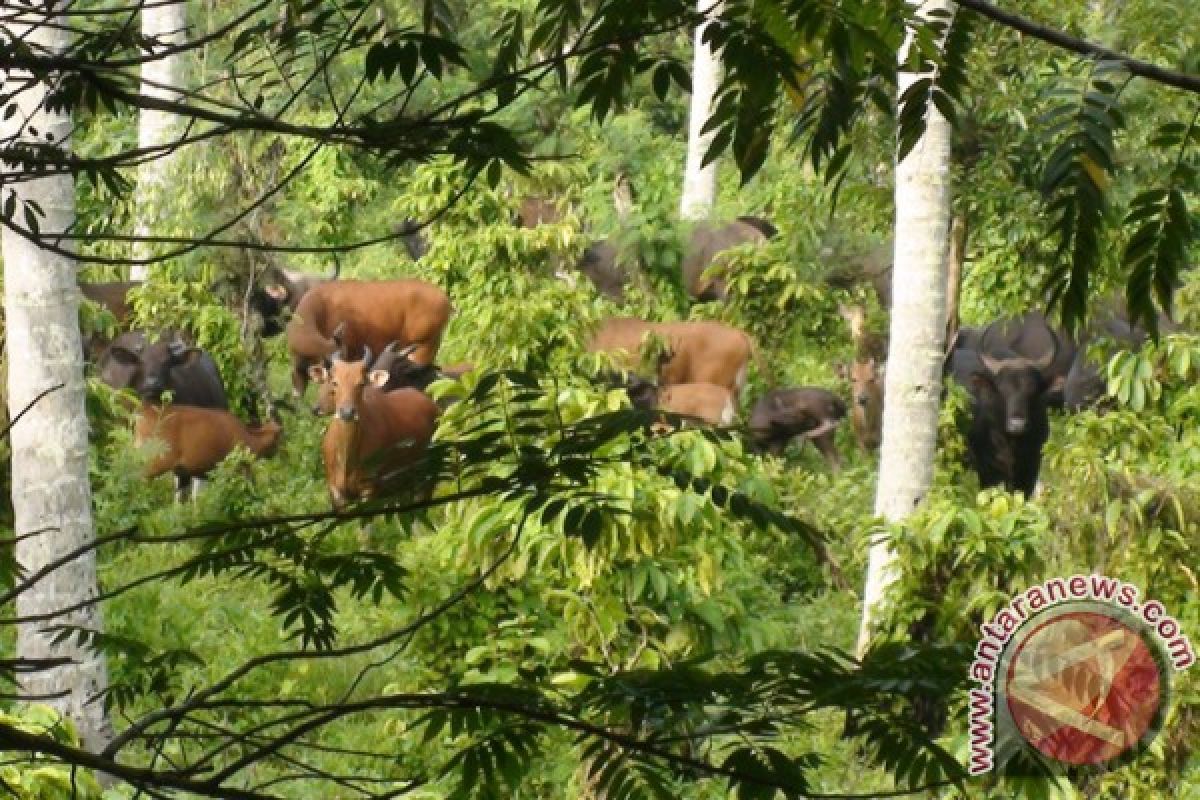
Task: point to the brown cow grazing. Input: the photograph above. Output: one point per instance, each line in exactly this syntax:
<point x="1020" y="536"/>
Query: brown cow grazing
<point x="697" y="352"/>
<point x="373" y="313"/>
<point x="707" y="241"/>
<point x="373" y="434"/>
<point x="809" y="412"/>
<point x="197" y="439"/>
<point x="705" y="401"/>
<point x="866" y="408"/>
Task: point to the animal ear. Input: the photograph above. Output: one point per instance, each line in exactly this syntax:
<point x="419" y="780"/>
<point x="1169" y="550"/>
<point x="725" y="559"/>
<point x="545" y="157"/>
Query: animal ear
<point x="378" y="378"/>
<point x="318" y="373"/>
<point x="276" y="292"/>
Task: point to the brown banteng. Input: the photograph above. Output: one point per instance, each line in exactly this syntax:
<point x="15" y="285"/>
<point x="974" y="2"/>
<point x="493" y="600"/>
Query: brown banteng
<point x="197" y="439"/>
<point x="705" y="401"/>
<point x="372" y="314"/>
<point x="373" y="434"/>
<point x="866" y="407"/>
<point x="696" y="352"/>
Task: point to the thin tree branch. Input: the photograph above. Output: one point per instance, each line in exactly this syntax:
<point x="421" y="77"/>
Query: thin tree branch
<point x="1189" y="82"/>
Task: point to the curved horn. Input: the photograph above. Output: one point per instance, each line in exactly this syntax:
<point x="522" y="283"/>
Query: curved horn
<point x="407" y="351"/>
<point x="386" y="356"/>
<point x="366" y="359"/>
<point x="988" y="339"/>
<point x="993" y="365"/>
<point x="338" y="333"/>
<point x="1047" y="360"/>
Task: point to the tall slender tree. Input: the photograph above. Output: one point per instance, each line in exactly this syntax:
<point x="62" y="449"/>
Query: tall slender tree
<point x="918" y="326"/>
<point x="699" y="179"/>
<point x="164" y="25"/>
<point x="49" y="439"/>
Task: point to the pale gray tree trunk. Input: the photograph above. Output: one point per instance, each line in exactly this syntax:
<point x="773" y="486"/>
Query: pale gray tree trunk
<point x="162" y="78"/>
<point x="50" y="489"/>
<point x="915" y="350"/>
<point x="700" y="183"/>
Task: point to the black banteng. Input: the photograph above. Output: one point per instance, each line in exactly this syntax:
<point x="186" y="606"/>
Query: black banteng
<point x="188" y="373"/>
<point x="1033" y="337"/>
<point x="1009" y="425"/>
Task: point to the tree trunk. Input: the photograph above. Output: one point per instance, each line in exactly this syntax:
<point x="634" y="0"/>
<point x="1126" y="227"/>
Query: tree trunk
<point x="50" y="489"/>
<point x="955" y="259"/>
<point x="700" y="183"/>
<point x="166" y="23"/>
<point x="918" y="325"/>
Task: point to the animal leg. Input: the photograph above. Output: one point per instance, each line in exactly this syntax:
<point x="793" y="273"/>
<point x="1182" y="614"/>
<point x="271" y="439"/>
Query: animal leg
<point x="299" y="379"/>
<point x="183" y="485"/>
<point x="822" y="430"/>
<point x="197" y="486"/>
<point x="828" y="448"/>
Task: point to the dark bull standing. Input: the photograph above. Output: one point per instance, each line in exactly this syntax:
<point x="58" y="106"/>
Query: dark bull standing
<point x="1009" y="425"/>
<point x="132" y="362"/>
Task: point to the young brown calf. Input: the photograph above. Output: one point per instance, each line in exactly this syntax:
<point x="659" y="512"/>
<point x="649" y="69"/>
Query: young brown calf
<point x="866" y="408"/>
<point x="197" y="439"/>
<point x="373" y="433"/>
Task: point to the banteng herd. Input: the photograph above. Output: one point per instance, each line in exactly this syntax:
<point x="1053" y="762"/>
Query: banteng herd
<point x="371" y="346"/>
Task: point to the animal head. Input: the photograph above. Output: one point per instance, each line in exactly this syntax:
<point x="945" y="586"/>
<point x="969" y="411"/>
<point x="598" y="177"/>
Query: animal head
<point x="132" y="362"/>
<point x="642" y="393"/>
<point x="403" y="371"/>
<point x="1018" y="382"/>
<point x="396" y="364"/>
<point x="865" y="379"/>
<point x="157" y="362"/>
<point x="347" y="380"/>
